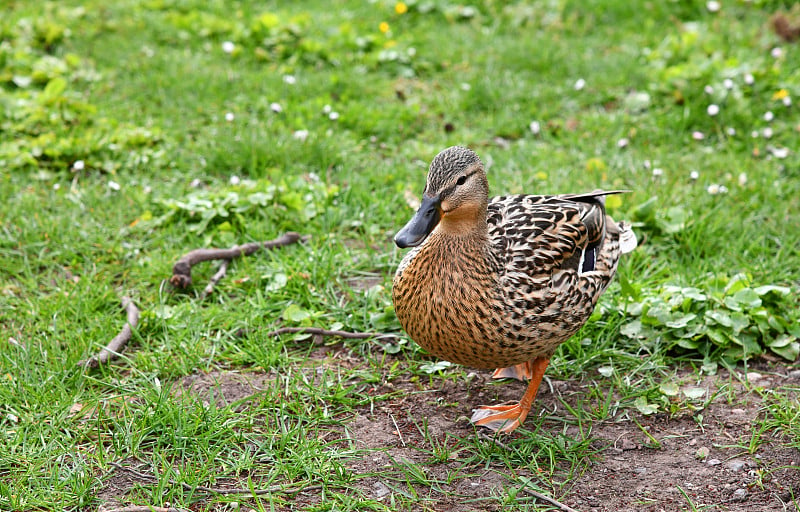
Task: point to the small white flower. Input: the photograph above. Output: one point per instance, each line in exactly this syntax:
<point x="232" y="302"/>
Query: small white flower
<point x="229" y="117"/>
<point x="580" y="84"/>
<point x="326" y="109"/>
<point x="646" y="164"/>
<point x="731" y="131"/>
<point x="698" y="135"/>
<point x="56" y="186"/>
<point x="769" y="116"/>
<point x="713" y="6"/>
<point x="196" y="183"/>
<point x="712" y="110"/>
<point x="727" y="83"/>
<point x="708" y="89"/>
<point x="754" y="134"/>
<point x="289" y="79"/>
<point x="694" y="175"/>
<point x="766" y="133"/>
<point x="658" y="171"/>
<point x="623" y="142"/>
<point x="333" y="116"/>
<point x="780" y="153"/>
<point x="776" y="52"/>
<point x="787" y="101"/>
<point x="300" y="135"/>
<point x="723" y="189"/>
<point x="78" y="165"/>
<point x="742" y="179"/>
<point x="113" y="185"/>
<point x="535" y="127"/>
<point x="465" y="86"/>
<point x="147" y="189"/>
<point x="228" y="47"/>
<point x="713" y="189"/>
<point x="235" y="180"/>
<point x="275" y="107"/>
<point x="749" y="79"/>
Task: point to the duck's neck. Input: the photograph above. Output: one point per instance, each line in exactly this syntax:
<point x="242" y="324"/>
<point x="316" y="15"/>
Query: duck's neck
<point x="466" y="224"/>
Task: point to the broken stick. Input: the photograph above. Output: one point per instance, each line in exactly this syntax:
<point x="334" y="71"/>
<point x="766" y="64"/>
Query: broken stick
<point x="116" y="345"/>
<point x="182" y="270"/>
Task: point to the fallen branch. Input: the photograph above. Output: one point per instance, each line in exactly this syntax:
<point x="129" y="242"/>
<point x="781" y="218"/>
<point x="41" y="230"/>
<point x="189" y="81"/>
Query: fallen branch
<point x="182" y="270"/>
<point x="221" y="490"/>
<point x="116" y="345"/>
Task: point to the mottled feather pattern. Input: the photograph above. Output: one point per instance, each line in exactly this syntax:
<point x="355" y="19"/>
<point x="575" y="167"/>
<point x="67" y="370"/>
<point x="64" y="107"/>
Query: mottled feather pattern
<point x="514" y="294"/>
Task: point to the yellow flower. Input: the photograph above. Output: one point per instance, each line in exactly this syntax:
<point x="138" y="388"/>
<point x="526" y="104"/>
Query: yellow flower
<point x="780" y="94"/>
<point x="400" y="8"/>
<point x="383" y="27"/>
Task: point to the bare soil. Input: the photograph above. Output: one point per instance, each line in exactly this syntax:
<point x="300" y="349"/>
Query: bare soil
<point x="631" y="471"/>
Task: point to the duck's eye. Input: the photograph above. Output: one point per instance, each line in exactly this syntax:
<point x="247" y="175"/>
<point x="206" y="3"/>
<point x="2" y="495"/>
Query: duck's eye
<point x="461" y="180"/>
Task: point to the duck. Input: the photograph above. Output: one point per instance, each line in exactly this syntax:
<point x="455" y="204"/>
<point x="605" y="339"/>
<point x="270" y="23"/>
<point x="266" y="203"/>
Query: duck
<point x="502" y="282"/>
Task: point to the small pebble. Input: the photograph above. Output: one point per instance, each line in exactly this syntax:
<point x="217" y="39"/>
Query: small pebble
<point x="627" y="444"/>
<point x="739" y="494"/>
<point x="753" y="376"/>
<point x="702" y="452"/>
<point x="794" y="374"/>
<point x="713" y="462"/>
<point x="735" y="465"/>
<point x="640" y="470"/>
<point x="737" y="411"/>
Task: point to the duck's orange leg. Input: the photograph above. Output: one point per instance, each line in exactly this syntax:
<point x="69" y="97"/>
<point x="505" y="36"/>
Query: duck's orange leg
<point x="506" y="418"/>
<point x="521" y="372"/>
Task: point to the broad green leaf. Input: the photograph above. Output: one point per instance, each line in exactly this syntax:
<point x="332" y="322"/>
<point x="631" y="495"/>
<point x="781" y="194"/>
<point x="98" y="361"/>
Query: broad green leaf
<point x="747" y="298"/>
<point x="720" y="317"/>
<point x="680" y="321"/>
<point x="781" y="341"/>
<point x="790" y="352"/>
<point x="645" y="408"/>
<point x="739" y="322"/>
<point x="693" y="293"/>
<point x="694" y="393"/>
<point x="632" y="329"/>
<point x="669" y="388"/>
<point x="780" y="290"/>
<point x="295" y="313"/>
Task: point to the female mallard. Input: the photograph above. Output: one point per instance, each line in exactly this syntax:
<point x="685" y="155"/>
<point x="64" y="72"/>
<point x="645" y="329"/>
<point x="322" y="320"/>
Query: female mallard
<point x="501" y="283"/>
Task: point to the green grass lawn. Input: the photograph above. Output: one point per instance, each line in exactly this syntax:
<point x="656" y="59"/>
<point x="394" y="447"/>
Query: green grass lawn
<point x="132" y="132"/>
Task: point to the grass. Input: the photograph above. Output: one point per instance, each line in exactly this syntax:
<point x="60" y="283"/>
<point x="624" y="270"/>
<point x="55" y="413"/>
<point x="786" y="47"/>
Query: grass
<point x="140" y="94"/>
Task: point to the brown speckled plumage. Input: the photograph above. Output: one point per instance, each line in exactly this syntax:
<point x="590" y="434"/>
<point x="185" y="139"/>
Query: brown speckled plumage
<point x="502" y="282"/>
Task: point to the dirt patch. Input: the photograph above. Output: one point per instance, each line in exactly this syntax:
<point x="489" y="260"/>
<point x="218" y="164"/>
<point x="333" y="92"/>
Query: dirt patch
<point x="715" y="455"/>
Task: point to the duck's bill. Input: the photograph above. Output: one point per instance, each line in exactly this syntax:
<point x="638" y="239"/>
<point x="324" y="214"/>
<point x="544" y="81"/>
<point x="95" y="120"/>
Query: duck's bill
<point x="421" y="225"/>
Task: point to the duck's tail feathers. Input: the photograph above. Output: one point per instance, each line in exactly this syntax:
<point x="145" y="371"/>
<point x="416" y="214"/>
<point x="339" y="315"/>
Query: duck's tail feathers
<point x="627" y="238"/>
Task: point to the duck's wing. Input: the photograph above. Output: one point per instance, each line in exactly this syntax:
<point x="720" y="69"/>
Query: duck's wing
<point x="537" y="237"/>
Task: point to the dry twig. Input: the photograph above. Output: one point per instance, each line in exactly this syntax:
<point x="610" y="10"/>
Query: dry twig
<point x="548" y="499"/>
<point x="222" y="490"/>
<point x="116" y="345"/>
<point x="223" y="269"/>
<point x="182" y="270"/>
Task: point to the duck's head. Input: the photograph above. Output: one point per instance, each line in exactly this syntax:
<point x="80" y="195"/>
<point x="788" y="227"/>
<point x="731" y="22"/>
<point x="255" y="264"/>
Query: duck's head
<point x="456" y="194"/>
